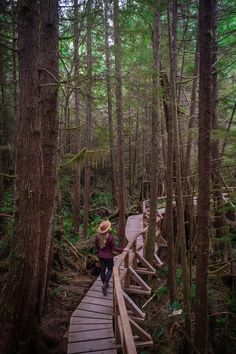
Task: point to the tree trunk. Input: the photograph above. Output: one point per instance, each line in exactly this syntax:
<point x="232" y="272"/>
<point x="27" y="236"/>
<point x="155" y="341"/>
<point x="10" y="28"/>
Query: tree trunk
<point x="49" y="77"/>
<point x="77" y="185"/>
<point x="204" y="173"/>
<point x="88" y="119"/>
<point x="2" y="113"/>
<point x="219" y="222"/>
<point x="109" y="101"/>
<point x="119" y="118"/>
<point x="135" y="153"/>
<point x="18" y="303"/>
<point x="169" y="217"/>
<point x="155" y="147"/>
<point x="179" y="190"/>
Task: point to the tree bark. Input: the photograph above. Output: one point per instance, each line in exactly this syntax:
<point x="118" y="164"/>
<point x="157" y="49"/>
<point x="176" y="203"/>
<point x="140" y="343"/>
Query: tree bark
<point x="179" y="190"/>
<point x="169" y="217"/>
<point x="77" y="185"/>
<point x="155" y="147"/>
<point x="88" y="119"/>
<point x="204" y="173"/>
<point x="18" y="303"/>
<point x="219" y="222"/>
<point x="119" y="118"/>
<point x="109" y="101"/>
<point x="49" y="77"/>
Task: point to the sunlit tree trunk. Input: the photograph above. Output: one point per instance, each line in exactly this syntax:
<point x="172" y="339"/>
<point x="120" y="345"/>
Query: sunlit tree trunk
<point x="18" y="302"/>
<point x="204" y="173"/>
<point x="120" y="133"/>
<point x="155" y="142"/>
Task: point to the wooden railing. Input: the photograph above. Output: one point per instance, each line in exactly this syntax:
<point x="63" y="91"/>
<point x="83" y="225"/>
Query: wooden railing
<point x="127" y="273"/>
<point x="128" y="333"/>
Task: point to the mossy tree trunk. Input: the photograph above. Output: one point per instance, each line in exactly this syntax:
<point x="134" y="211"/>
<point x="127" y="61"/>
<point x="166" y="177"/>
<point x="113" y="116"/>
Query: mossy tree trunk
<point x="18" y="302"/>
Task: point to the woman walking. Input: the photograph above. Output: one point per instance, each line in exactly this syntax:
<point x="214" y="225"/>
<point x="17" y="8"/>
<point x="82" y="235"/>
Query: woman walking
<point x="105" y="245"/>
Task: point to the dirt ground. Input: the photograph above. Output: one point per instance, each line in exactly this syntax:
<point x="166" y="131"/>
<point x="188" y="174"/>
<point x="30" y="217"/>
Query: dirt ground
<point x="62" y="301"/>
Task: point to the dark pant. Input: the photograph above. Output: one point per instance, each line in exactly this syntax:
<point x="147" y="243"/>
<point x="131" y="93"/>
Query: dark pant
<point x="106" y="263"/>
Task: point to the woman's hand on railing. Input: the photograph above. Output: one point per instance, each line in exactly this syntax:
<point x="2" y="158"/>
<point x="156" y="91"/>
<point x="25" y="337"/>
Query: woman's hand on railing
<point x="126" y="249"/>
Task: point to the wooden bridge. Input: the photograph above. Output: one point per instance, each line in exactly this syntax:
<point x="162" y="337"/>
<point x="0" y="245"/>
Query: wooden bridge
<point x="110" y="324"/>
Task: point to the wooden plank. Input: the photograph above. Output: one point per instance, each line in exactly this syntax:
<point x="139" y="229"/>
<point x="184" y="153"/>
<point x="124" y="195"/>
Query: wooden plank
<point x="160" y="263"/>
<point x="91" y="335"/>
<point x="89" y="327"/>
<point x="99" y="295"/>
<point x="128" y="337"/>
<point x="145" y="263"/>
<point x="132" y="306"/>
<point x="144" y="271"/>
<point x="132" y="289"/>
<point x="108" y="351"/>
<point x="95" y="308"/>
<point x="139" y="280"/>
<point x="99" y="301"/>
<point x="99" y="289"/>
<point x="90" y="346"/>
<point x="86" y="320"/>
<point x="139" y="331"/>
<point x="89" y="314"/>
<point x="143" y="344"/>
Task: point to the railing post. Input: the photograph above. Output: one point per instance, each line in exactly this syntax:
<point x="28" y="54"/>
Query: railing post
<point x="134" y="248"/>
<point x="144" y="243"/>
<point x="126" y="265"/>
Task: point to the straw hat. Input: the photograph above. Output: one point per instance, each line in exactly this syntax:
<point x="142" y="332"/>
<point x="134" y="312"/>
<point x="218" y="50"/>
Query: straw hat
<point x="104" y="227"/>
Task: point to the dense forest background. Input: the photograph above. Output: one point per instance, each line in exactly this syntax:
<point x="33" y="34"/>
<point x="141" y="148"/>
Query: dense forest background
<point x="105" y="104"/>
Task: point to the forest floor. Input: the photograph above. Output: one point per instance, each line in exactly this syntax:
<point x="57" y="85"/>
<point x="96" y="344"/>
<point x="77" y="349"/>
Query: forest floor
<point x="62" y="301"/>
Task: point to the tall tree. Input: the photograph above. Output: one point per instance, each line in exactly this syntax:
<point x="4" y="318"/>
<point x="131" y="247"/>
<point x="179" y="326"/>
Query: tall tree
<point x="204" y="173"/>
<point x="219" y="222"/>
<point x="48" y="93"/>
<point x="77" y="185"/>
<point x="169" y="217"/>
<point x="155" y="153"/>
<point x="88" y="116"/>
<point x="109" y="98"/>
<point x="119" y="118"/>
<point x="18" y="303"/>
<point x="179" y="190"/>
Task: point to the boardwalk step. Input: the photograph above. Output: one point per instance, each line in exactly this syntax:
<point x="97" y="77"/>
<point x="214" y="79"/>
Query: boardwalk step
<point x="91" y="335"/>
<point x="91" y="346"/>
<point x="89" y="327"/>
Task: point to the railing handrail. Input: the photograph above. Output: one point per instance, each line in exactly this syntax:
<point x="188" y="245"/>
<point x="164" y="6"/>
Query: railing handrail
<point x="128" y="344"/>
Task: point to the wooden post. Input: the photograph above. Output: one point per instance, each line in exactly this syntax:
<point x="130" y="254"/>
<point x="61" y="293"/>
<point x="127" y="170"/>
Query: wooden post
<point x="127" y="276"/>
<point x="134" y="248"/>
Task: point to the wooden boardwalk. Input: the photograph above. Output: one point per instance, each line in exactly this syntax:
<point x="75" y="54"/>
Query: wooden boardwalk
<point x="91" y="325"/>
